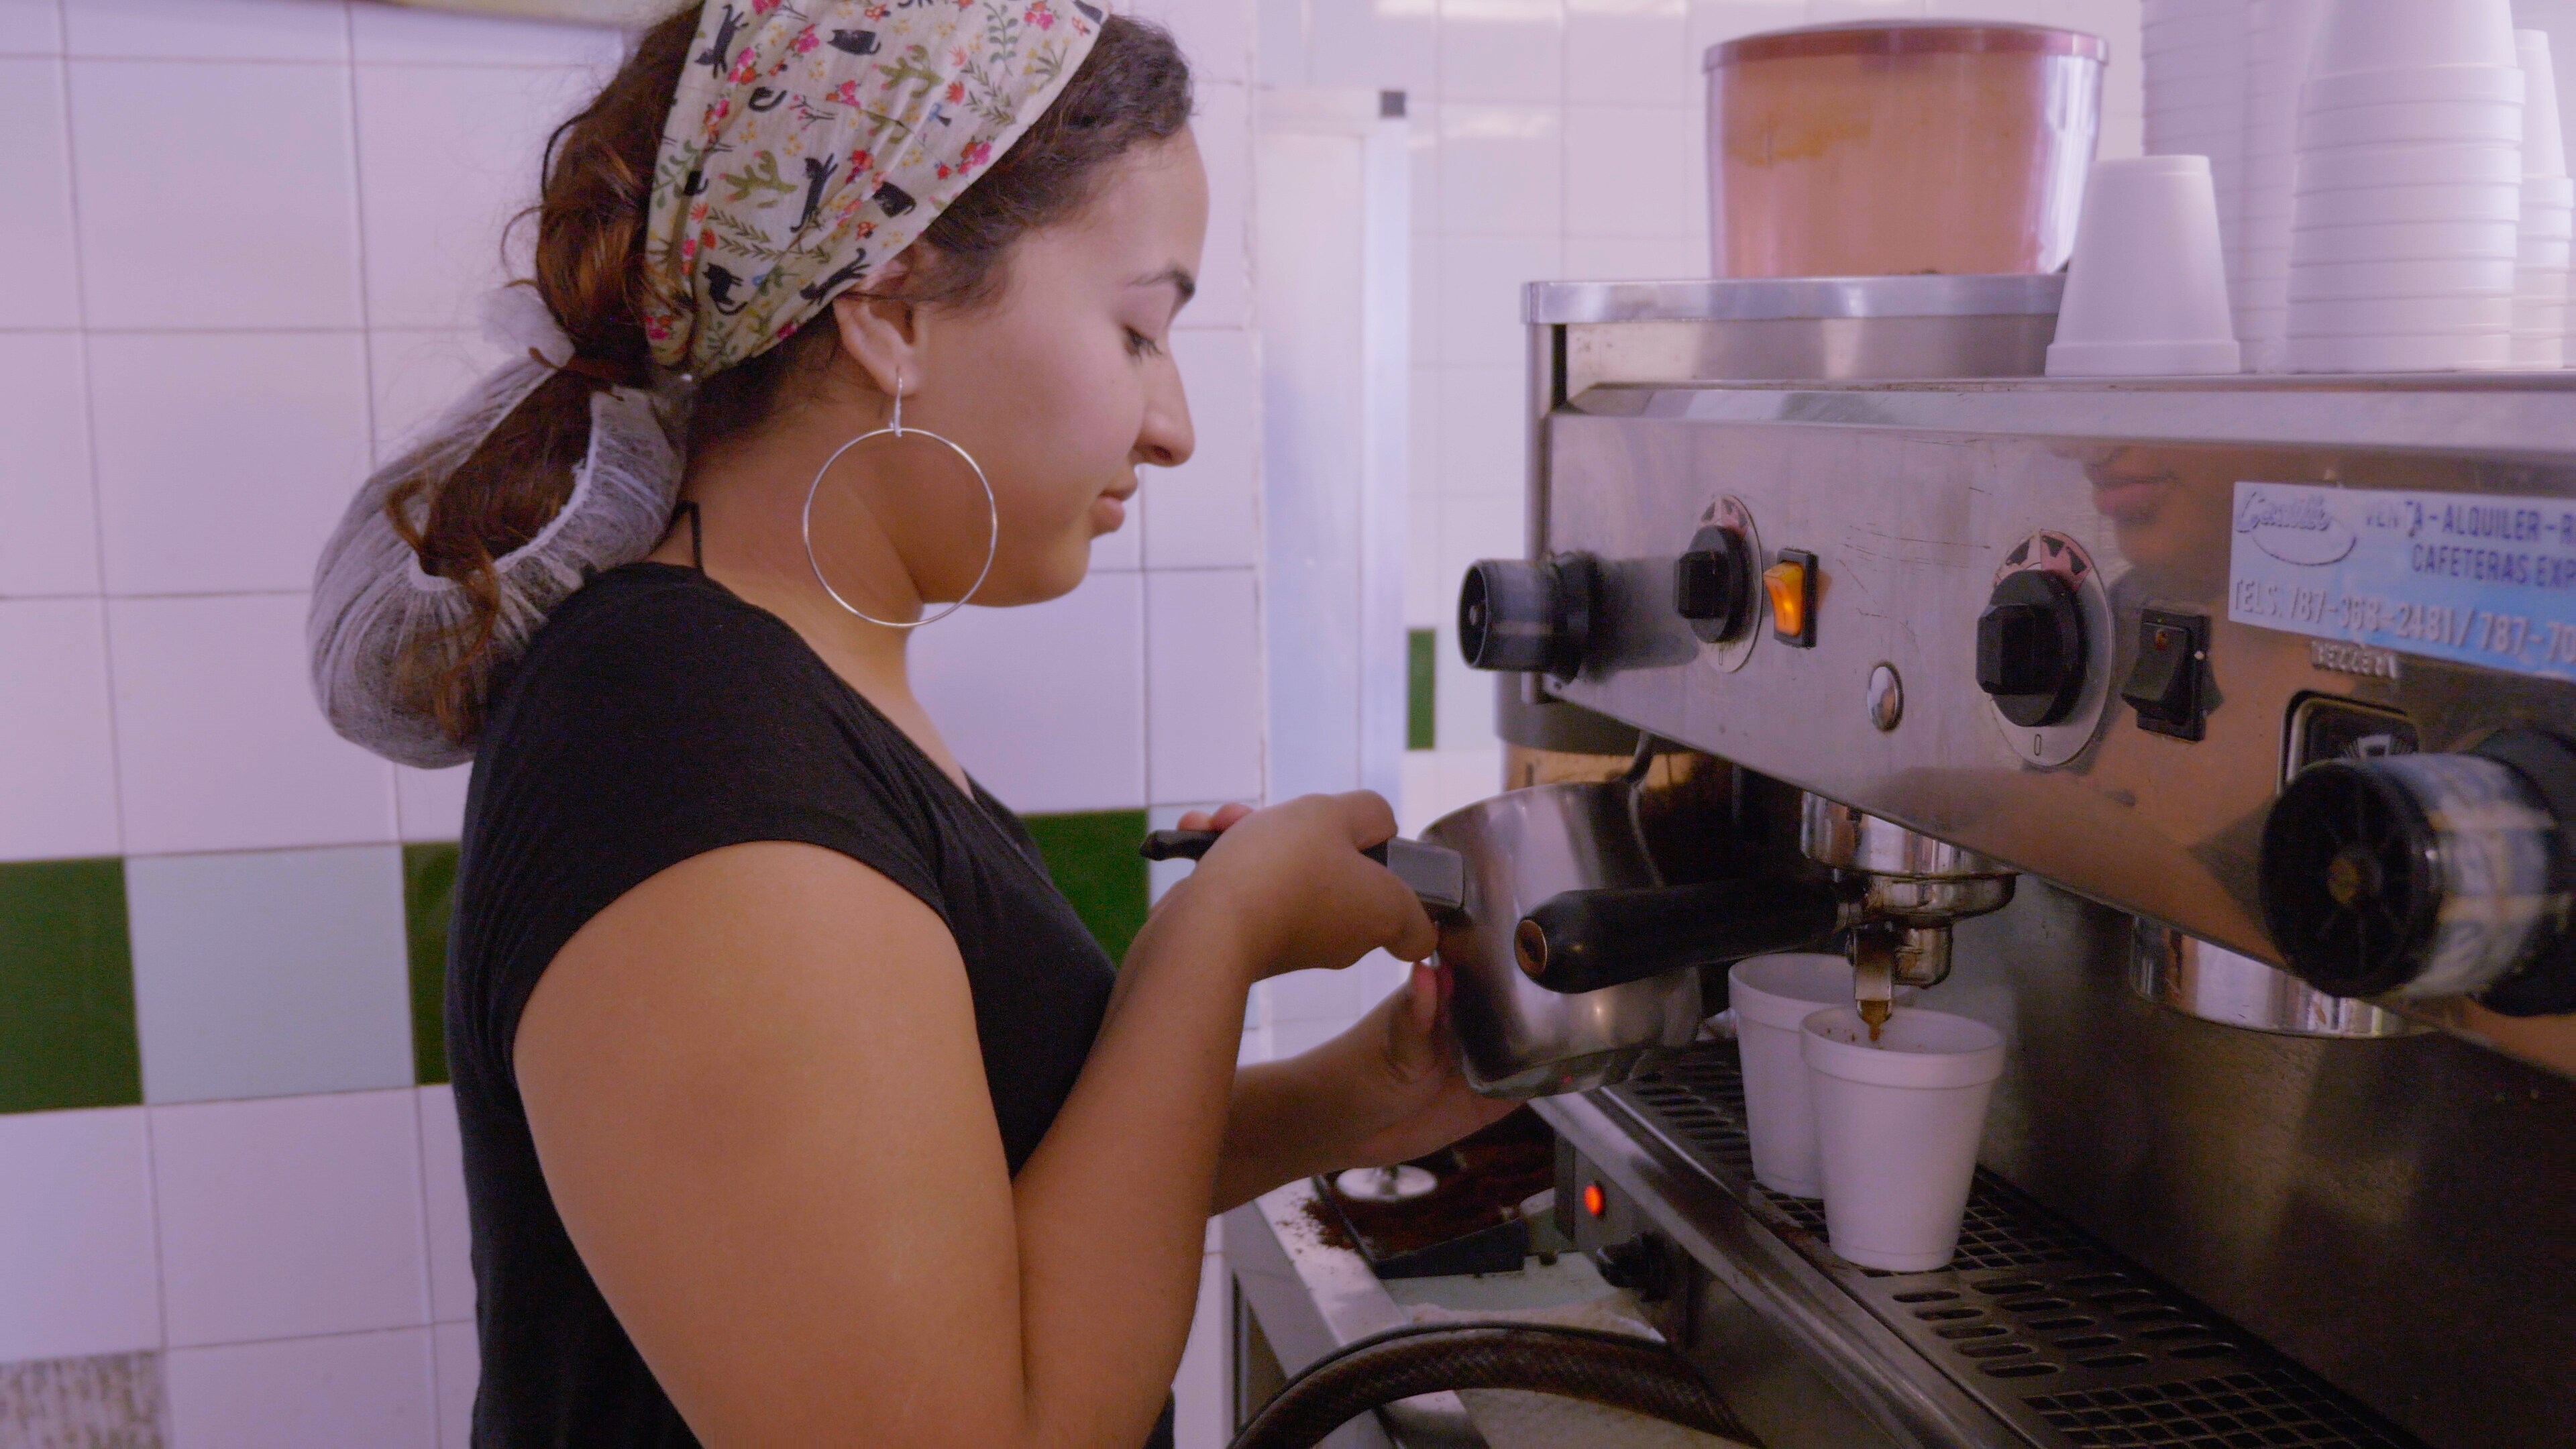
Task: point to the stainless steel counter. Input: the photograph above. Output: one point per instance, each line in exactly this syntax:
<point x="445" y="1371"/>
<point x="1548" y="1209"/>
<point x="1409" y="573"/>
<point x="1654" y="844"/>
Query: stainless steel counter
<point x="1310" y="1298"/>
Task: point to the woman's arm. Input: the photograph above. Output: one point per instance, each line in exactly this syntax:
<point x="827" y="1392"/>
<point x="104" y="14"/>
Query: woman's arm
<point x="755" y="1086"/>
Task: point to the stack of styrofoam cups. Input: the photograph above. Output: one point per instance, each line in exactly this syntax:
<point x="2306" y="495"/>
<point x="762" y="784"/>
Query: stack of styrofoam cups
<point x="1771" y="998"/>
<point x="2408" y="209"/>
<point x="1898" y="1122"/>
<point x="2548" y="215"/>
<point x="2196" y="62"/>
<point x="2146" y="291"/>
<point x="2284" y="34"/>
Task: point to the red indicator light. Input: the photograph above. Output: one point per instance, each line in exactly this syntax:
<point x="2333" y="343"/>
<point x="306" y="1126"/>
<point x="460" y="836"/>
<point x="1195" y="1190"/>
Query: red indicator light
<point x="1595" y="1201"/>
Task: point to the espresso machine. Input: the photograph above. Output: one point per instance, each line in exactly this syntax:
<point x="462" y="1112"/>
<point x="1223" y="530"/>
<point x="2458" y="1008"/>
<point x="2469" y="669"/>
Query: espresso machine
<point x="2213" y="739"/>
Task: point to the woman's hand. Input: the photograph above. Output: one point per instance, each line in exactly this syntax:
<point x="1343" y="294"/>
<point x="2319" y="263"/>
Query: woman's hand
<point x="1394" y="1083"/>
<point x="1385" y="1090"/>
<point x="1292" y="881"/>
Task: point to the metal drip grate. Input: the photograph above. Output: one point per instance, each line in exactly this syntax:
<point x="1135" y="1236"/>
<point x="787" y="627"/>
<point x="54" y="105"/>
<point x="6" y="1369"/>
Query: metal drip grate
<point x="2253" y="1410"/>
<point x="2060" y="1337"/>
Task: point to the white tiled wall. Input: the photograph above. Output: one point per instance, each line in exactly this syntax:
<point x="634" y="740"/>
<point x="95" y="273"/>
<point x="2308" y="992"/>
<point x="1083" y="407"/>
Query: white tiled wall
<point x="377" y="1389"/>
<point x="58" y="773"/>
<point x="245" y="238"/>
<point x="79" y="1187"/>
<point x="290" y="1218"/>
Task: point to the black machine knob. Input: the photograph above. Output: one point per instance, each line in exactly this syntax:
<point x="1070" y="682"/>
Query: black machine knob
<point x="2031" y="648"/>
<point x="2430" y="875"/>
<point x="1713" y="585"/>
<point x="1642" y="1265"/>
<point x="1528" y="617"/>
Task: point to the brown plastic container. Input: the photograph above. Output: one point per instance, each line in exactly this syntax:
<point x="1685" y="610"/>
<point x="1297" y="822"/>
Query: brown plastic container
<point x="1900" y="148"/>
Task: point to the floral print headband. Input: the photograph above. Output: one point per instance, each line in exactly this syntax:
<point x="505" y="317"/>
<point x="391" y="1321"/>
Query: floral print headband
<point x="811" y="140"/>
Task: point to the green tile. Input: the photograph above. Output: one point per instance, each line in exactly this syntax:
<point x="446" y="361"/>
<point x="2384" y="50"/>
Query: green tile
<point x="67" y="1035"/>
<point x="429" y="903"/>
<point x="1421" y="670"/>
<point x="1094" y="861"/>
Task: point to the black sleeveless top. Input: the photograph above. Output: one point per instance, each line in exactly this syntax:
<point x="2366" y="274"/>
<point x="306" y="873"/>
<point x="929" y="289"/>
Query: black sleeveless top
<point x="657" y="717"/>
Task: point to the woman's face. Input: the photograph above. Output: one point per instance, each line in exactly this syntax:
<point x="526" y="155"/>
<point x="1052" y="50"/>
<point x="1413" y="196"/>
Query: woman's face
<point x="1059" y="385"/>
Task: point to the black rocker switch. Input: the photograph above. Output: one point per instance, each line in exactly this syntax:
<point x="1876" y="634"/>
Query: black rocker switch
<point x="2165" y="685"/>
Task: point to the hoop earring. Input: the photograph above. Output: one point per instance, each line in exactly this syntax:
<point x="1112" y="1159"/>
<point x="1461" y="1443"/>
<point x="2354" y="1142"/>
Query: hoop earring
<point x="896" y="429"/>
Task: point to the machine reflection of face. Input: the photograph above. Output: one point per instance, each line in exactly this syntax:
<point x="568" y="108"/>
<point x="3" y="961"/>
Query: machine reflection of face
<point x="2169" y="511"/>
<point x="1060" y="385"/>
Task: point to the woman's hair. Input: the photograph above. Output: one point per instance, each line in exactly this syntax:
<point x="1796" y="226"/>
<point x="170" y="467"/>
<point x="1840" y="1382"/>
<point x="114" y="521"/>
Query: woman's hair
<point x="1133" y="88"/>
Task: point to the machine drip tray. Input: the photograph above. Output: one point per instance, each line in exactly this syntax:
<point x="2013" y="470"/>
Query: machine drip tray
<point x="2055" y="1334"/>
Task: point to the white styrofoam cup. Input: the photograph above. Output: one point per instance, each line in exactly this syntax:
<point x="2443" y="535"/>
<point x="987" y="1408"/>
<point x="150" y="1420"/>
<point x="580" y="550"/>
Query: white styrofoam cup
<point x="2505" y="83"/>
<point x="1771" y="996"/>
<point x="2365" y="35"/>
<point x="2146" y="291"/>
<point x="1897" y="1127"/>
<point x="2405" y="241"/>
<point x="2540" y="350"/>
<point x="2459" y="277"/>
<point x="2435" y="352"/>
<point x="2471" y="163"/>
<point x="2370" y="206"/>
<point x="2544" y="145"/>
<point x="2407" y="123"/>
<point x="2399" y="316"/>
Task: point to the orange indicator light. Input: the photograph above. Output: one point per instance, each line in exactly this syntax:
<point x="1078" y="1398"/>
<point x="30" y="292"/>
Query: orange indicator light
<point x="1791" y="584"/>
<point x="1787" y="584"/>
<point x="1595" y="1201"/>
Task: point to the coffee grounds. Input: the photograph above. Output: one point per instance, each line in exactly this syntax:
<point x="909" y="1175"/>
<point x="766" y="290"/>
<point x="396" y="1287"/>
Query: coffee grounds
<point x="1481" y="1182"/>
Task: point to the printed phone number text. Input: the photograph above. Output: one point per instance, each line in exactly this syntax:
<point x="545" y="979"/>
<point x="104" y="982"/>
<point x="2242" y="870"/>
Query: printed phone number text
<point x="2532" y="643"/>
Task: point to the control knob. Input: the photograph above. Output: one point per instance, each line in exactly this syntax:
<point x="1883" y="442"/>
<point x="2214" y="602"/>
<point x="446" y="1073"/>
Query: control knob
<point x="1713" y="585"/>
<point x="2430" y="875"/>
<point x="2031" y="648"/>
<point x="1529" y="617"/>
<point x="1642" y="1265"/>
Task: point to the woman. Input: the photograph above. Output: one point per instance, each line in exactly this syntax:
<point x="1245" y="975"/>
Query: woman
<point x="798" y="1107"/>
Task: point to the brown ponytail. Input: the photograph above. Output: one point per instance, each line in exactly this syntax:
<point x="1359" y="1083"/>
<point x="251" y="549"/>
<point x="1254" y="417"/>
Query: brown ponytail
<point x="589" y="270"/>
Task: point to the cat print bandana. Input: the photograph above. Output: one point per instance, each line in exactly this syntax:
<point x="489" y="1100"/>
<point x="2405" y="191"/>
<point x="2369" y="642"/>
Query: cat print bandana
<point x="811" y="140"/>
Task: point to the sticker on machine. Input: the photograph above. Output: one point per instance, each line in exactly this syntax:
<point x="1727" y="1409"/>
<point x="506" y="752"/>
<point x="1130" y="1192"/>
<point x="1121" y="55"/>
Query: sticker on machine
<point x="2466" y="577"/>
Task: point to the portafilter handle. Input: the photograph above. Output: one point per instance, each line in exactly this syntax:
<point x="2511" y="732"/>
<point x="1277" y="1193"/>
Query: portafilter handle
<point x="1436" y="875"/>
<point x="1586" y="940"/>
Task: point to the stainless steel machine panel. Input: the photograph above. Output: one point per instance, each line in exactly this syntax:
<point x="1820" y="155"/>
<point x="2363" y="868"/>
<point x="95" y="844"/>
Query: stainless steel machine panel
<point x="1916" y="499"/>
<point x="2393" y="1214"/>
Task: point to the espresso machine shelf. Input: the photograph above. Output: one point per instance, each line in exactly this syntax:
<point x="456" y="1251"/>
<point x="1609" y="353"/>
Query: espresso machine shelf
<point x="2061" y="1338"/>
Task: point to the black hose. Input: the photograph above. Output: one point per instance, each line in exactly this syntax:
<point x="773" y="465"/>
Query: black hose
<point x="1612" y="1369"/>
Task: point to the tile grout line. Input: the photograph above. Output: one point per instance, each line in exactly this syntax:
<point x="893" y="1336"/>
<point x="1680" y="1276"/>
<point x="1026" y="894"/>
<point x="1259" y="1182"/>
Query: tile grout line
<point x="1250" y="263"/>
<point x="284" y="62"/>
<point x="152" y="1188"/>
<point x="116" y="330"/>
<point x="331" y="1336"/>
<point x="428" y="1271"/>
<point x="89" y="433"/>
<point x="367" y="344"/>
<point x="427" y="1283"/>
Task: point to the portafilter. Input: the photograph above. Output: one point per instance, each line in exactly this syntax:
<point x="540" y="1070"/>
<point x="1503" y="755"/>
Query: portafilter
<point x="1573" y="962"/>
